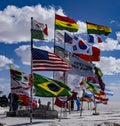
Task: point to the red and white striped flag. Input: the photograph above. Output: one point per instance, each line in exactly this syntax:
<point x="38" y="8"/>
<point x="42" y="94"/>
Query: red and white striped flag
<point x="47" y="61"/>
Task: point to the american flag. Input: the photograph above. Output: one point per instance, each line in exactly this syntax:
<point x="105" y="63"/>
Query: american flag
<point x="47" y="61"/>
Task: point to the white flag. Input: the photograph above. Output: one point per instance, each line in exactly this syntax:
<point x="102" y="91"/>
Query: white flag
<point x="81" y="67"/>
<point x="79" y="46"/>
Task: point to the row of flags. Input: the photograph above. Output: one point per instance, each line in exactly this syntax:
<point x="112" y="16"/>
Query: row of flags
<point x="46" y="87"/>
<point x="79" y="57"/>
<point x="39" y="30"/>
<point x="71" y="68"/>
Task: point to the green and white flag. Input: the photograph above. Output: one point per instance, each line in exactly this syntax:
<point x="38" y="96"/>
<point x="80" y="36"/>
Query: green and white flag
<point x="38" y="30"/>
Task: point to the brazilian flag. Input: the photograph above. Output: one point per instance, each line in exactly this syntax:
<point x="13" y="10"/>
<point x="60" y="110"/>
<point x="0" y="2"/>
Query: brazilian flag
<point x="46" y="87"/>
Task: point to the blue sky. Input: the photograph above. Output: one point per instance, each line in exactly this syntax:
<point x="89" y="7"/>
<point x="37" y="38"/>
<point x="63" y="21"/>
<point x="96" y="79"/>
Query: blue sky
<point x="15" y="27"/>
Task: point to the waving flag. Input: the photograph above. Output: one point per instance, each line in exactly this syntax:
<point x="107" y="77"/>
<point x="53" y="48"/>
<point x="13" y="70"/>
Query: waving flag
<point x="68" y="38"/>
<point x="47" y="61"/>
<point x="61" y="102"/>
<point x="80" y="67"/>
<point x="101" y="98"/>
<point x="38" y="30"/>
<point x="94" y="57"/>
<point x="93" y="86"/>
<point x="62" y="53"/>
<point x="19" y="82"/>
<point x="109" y="92"/>
<point x="81" y="47"/>
<point x="73" y="81"/>
<point x="97" y="29"/>
<point x="59" y="37"/>
<point x="94" y="39"/>
<point x="98" y="72"/>
<point x="65" y="23"/>
<point x="46" y="87"/>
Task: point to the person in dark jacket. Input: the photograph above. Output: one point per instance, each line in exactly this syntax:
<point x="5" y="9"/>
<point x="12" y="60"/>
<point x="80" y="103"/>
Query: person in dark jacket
<point x="13" y="102"/>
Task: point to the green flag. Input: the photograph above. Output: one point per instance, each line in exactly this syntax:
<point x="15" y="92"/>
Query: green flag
<point x="46" y="87"/>
<point x="93" y="86"/>
<point x="98" y="72"/>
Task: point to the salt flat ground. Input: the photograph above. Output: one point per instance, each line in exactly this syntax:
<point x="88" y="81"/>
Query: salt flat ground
<point x="107" y="113"/>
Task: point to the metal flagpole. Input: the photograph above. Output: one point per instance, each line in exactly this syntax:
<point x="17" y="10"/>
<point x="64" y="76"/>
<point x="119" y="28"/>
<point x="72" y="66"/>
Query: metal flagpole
<point x="31" y="90"/>
<point x="93" y="89"/>
<point x="53" y="72"/>
<point x="10" y="96"/>
<point x="81" y="108"/>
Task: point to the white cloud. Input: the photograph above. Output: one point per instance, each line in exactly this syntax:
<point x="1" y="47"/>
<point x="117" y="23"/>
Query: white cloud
<point x="5" y="86"/>
<point x="5" y="62"/>
<point x="108" y="45"/>
<point x="115" y="88"/>
<point x="82" y="27"/>
<point x="24" y="53"/>
<point x="15" y="23"/>
<point x="118" y="36"/>
<point x="109" y="65"/>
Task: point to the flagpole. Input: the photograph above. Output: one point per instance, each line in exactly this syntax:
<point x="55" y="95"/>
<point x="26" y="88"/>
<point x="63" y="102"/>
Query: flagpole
<point x="54" y="53"/>
<point x="93" y="90"/>
<point x="11" y="98"/>
<point x="31" y="89"/>
<point x="81" y="110"/>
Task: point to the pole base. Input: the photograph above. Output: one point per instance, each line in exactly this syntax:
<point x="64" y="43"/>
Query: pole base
<point x="96" y="113"/>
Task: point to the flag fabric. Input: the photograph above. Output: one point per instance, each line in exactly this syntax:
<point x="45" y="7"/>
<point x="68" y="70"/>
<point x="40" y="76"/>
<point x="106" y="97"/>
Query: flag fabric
<point x="97" y="29"/>
<point x="47" y="61"/>
<point x="73" y="81"/>
<point x="93" y="86"/>
<point x="19" y="82"/>
<point x="68" y="38"/>
<point x="101" y="83"/>
<point x="65" y="23"/>
<point x="94" y="39"/>
<point x="97" y="80"/>
<point x="59" y="37"/>
<point x="100" y="92"/>
<point x="62" y="53"/>
<point x="46" y="87"/>
<point x="98" y="72"/>
<point x="99" y="102"/>
<point x="94" y="57"/>
<point x="60" y="76"/>
<point x="85" y="99"/>
<point x="79" y="46"/>
<point x="73" y="97"/>
<point x="101" y="98"/>
<point x="25" y="101"/>
<point x="20" y="87"/>
<point x="38" y="30"/>
<point x="109" y="92"/>
<point x="93" y="79"/>
<point x="80" y="67"/>
<point x="88" y="94"/>
<point x="61" y="102"/>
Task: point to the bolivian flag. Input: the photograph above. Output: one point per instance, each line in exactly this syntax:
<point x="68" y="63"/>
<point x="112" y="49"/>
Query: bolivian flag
<point x="46" y="87"/>
<point x="97" y="29"/>
<point x="65" y="23"/>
